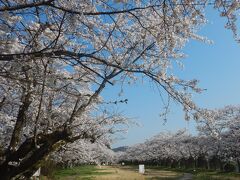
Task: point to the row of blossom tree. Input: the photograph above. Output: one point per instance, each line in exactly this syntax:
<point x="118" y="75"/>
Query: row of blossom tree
<point x="84" y="152"/>
<point x="217" y="144"/>
<point x="57" y="56"/>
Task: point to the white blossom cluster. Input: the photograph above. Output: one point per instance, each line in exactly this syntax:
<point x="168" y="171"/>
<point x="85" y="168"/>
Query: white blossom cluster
<point x="57" y="56"/>
<point x="217" y="142"/>
<point x="84" y="152"/>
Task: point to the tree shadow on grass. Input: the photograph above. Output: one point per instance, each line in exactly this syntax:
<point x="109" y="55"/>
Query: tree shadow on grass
<point x="80" y="172"/>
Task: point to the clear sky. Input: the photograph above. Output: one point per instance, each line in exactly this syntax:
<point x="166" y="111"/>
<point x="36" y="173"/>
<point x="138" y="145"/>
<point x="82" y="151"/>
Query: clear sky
<point x="217" y="66"/>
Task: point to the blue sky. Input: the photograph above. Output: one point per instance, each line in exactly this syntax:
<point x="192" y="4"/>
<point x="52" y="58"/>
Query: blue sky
<point x="216" y="66"/>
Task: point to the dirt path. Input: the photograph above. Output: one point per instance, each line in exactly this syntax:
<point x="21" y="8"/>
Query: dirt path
<point x="121" y="174"/>
<point x="132" y="174"/>
<point x="186" y="176"/>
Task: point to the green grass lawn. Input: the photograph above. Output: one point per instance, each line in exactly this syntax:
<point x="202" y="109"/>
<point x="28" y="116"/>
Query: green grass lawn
<point x="83" y="172"/>
<point x="111" y="172"/>
<point x="214" y="175"/>
<point x="88" y="172"/>
<point x="202" y="174"/>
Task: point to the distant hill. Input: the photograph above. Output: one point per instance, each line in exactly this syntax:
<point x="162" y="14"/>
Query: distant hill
<point x="120" y="149"/>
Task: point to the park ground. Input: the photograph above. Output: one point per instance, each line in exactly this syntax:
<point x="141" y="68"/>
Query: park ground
<point x="131" y="173"/>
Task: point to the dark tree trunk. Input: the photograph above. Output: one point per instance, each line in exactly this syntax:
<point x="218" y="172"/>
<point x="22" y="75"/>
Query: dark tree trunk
<point x="221" y="165"/>
<point x="195" y="163"/>
<point x="238" y="166"/>
<point x="208" y="164"/>
<point x="20" y="122"/>
<point x="30" y="155"/>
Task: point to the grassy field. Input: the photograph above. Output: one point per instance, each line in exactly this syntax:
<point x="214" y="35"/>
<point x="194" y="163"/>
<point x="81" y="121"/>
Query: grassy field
<point x="216" y="176"/>
<point x="202" y="174"/>
<point x="111" y="173"/>
<point x="131" y="173"/>
<point x="80" y="172"/>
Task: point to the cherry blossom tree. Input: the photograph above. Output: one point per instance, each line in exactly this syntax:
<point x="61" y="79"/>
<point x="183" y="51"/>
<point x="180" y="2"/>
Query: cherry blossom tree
<point x="216" y="145"/>
<point x="166" y="149"/>
<point x="84" y="152"/>
<point x="57" y="56"/>
<point x="222" y="126"/>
